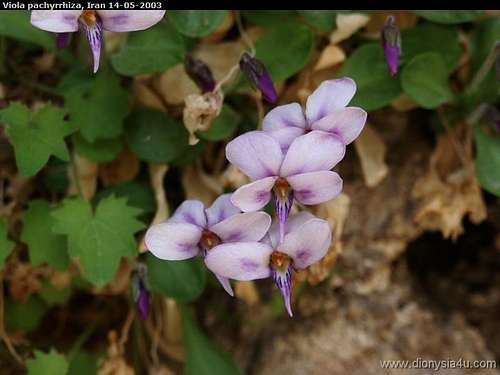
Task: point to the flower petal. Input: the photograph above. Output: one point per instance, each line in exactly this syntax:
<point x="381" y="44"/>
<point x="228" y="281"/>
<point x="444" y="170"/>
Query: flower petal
<point x="308" y="243"/>
<point x="315" y="187"/>
<point x="284" y="116"/>
<point x="285" y="136"/>
<point x="221" y="209"/>
<point x="328" y="97"/>
<point x="257" y="154"/>
<point x="130" y="20"/>
<point x="292" y="224"/>
<point x="255" y="195"/>
<point x="173" y="241"/>
<point x="240" y="260"/>
<point x="283" y="281"/>
<point x="226" y="284"/>
<point x="94" y="37"/>
<point x="346" y="123"/>
<point x="250" y="226"/>
<point x="56" y="21"/>
<point x="190" y="212"/>
<point x="314" y="151"/>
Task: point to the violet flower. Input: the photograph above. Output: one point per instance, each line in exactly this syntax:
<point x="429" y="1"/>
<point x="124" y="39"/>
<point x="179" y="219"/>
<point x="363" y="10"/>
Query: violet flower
<point x="306" y="241"/>
<point x="140" y="292"/>
<point x="303" y="173"/>
<point x="391" y="42"/>
<point x="325" y="110"/>
<point x="200" y="73"/>
<point x="257" y="73"/>
<point x="193" y="230"/>
<point x="94" y="22"/>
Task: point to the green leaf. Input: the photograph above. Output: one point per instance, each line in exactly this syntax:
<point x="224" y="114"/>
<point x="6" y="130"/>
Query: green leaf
<point x="488" y="161"/>
<point x="153" y="50"/>
<point x="155" y="136"/>
<point x="323" y="20"/>
<point x="53" y="295"/>
<point x="224" y="125"/>
<point x="83" y="364"/>
<point x="43" y="244"/>
<point x="183" y="280"/>
<point x="6" y="245"/>
<point x="449" y="16"/>
<point x="375" y="86"/>
<point x="98" y="238"/>
<point x="195" y="23"/>
<point x="138" y="195"/>
<point x="268" y="18"/>
<point x="16" y="24"/>
<point x="285" y="49"/>
<point x="99" y="107"/>
<point x="36" y="136"/>
<point x="203" y="357"/>
<point x="99" y="151"/>
<point x="51" y="363"/>
<point x="429" y="37"/>
<point x="425" y="80"/>
<point x="24" y="316"/>
<point x="55" y="177"/>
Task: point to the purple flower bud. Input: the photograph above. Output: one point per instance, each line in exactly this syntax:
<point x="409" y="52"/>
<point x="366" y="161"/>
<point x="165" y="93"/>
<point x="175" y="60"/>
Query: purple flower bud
<point x="200" y="73"/>
<point x="391" y="41"/>
<point x="63" y="39"/>
<point x="140" y="292"/>
<point x="257" y="73"/>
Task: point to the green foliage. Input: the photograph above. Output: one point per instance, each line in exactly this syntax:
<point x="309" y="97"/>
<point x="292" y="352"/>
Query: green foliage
<point x="99" y="151"/>
<point x="376" y="87"/>
<point x="36" y="135"/>
<point x="155" y="136"/>
<point x="6" y="245"/>
<point x="53" y="295"/>
<point x="223" y="126"/>
<point x="203" y="356"/>
<point x="83" y="364"/>
<point x="268" y="18"/>
<point x="183" y="280"/>
<point x="449" y="16"/>
<point x="25" y="316"/>
<point x="488" y="161"/>
<point x="98" y="107"/>
<point x="323" y="20"/>
<point x="138" y="195"/>
<point x="425" y="80"/>
<point x="150" y="51"/>
<point x="43" y="244"/>
<point x="295" y="41"/>
<point x="98" y="238"/>
<point x="195" y="23"/>
<point x="16" y="24"/>
<point x="51" y="363"/>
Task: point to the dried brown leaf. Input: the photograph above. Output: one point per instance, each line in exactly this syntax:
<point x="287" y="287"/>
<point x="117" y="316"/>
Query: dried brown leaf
<point x="371" y="150"/>
<point x="82" y="175"/>
<point x="404" y="19"/>
<point x="330" y="56"/>
<point x="246" y="291"/>
<point x="222" y="30"/>
<point x="198" y="185"/>
<point x="200" y="111"/>
<point x="347" y="25"/>
<point x="125" y="167"/>
<point x="114" y="363"/>
<point x="403" y="103"/>
<point x="145" y="96"/>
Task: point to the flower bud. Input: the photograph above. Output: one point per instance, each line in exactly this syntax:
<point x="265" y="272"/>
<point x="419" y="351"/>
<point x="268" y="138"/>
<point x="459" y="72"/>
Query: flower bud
<point x="200" y="73"/>
<point x="257" y="73"/>
<point x="391" y="42"/>
<point x="140" y="292"/>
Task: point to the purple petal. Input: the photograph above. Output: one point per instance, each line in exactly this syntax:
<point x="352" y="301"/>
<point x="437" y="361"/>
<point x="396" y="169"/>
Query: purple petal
<point x="130" y="20"/>
<point x="257" y="154"/>
<point x="94" y="37"/>
<point x="330" y="96"/>
<point x="392" y="58"/>
<point x="266" y="87"/>
<point x="240" y="260"/>
<point x="246" y="227"/>
<point x="200" y="73"/>
<point x="315" y="187"/>
<point x="285" y="123"/>
<point x="173" y="241"/>
<point x="63" y="40"/>
<point x="282" y="207"/>
<point x="283" y="281"/>
<point x="314" y="151"/>
<point x="143" y="301"/>
<point x="56" y="21"/>
<point x="345" y="123"/>
<point x="292" y="224"/>
<point x="253" y="196"/>
<point x="221" y="209"/>
<point x="191" y="212"/>
<point x="391" y="42"/>
<point x="308" y="243"/>
<point x="226" y="284"/>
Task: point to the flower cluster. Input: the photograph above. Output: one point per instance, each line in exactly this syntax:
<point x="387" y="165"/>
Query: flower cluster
<point x="289" y="160"/>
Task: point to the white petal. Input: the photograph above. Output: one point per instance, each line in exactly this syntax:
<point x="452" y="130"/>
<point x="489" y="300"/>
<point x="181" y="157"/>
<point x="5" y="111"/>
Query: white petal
<point x="173" y="241"/>
<point x="255" y="195"/>
<point x="250" y="226"/>
<point x="56" y="21"/>
<point x="130" y="20"/>
<point x="221" y="209"/>
<point x="315" y="187"/>
<point x="284" y="116"/>
<point x="191" y="212"/>
<point x="328" y="97"/>
<point x="226" y="284"/>
<point x="240" y="260"/>
<point x="292" y="224"/>
<point x="345" y="123"/>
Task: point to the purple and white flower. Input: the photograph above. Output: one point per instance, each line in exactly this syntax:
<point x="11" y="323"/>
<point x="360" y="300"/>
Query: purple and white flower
<point x="303" y="173"/>
<point x="325" y="110"/>
<point x="94" y="22"/>
<point x="258" y="76"/>
<point x="305" y="242"/>
<point x="391" y="42"/>
<point x="193" y="230"/>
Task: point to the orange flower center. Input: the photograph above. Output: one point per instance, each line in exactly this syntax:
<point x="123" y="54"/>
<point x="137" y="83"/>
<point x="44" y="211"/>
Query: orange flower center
<point x="281" y="188"/>
<point x="89" y="17"/>
<point x="209" y="240"/>
<point x="280" y="260"/>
